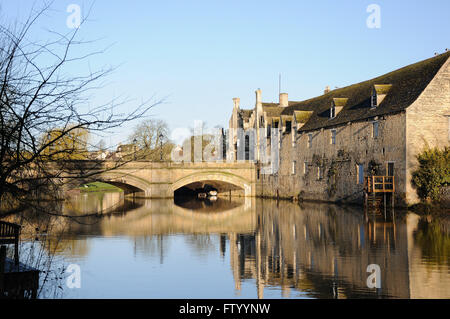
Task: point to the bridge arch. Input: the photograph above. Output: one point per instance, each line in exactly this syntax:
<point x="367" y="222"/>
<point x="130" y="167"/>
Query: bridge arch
<point x="118" y="179"/>
<point x="212" y="176"/>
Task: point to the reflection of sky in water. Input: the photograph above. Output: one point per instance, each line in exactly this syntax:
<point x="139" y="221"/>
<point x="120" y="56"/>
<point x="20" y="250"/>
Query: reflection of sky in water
<point x="246" y="249"/>
<point x="104" y="274"/>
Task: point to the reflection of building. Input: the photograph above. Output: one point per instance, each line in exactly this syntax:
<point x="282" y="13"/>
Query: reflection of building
<point x="324" y="252"/>
<point x="315" y="250"/>
<point x="329" y="143"/>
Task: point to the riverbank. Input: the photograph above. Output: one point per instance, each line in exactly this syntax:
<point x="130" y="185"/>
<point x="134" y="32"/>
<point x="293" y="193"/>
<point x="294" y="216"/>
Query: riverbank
<point x="99" y="187"/>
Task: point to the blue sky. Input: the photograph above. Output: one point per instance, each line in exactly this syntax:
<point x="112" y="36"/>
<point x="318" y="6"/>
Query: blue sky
<point x="201" y="54"/>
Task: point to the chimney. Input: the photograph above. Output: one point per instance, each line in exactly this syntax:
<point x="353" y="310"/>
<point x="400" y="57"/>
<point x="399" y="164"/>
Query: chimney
<point x="284" y="99"/>
<point x="258" y="96"/>
<point x="236" y="102"/>
<point x="327" y="90"/>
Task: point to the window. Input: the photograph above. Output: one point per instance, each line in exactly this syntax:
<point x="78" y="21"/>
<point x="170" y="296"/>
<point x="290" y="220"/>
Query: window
<point x="247" y="147"/>
<point x="333" y="137"/>
<point x="360" y="173"/>
<point x="375" y="129"/>
<point x="332" y="112"/>
<point x="390" y="169"/>
<point x="269" y="130"/>
<point x="261" y="121"/>
<point x="288" y="126"/>
<point x="310" y="137"/>
<point x="293" y="167"/>
<point x="305" y="167"/>
<point x="319" y="172"/>
<point x="373" y="100"/>
<point x="275" y="125"/>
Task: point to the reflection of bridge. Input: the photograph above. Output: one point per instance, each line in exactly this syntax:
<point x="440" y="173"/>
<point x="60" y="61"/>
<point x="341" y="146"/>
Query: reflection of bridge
<point x="160" y="180"/>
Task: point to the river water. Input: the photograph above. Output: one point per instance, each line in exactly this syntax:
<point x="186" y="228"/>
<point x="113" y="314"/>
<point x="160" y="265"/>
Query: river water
<point x="244" y="248"/>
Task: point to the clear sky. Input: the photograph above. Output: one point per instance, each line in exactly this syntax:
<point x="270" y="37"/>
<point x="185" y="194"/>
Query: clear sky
<point x="201" y="54"/>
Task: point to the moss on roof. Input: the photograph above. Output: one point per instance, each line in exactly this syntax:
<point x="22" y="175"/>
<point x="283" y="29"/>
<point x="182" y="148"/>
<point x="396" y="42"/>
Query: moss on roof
<point x="382" y="88"/>
<point x="407" y="84"/>
<point x="286" y="118"/>
<point x="302" y="116"/>
<point x="272" y="111"/>
<point x="340" y="101"/>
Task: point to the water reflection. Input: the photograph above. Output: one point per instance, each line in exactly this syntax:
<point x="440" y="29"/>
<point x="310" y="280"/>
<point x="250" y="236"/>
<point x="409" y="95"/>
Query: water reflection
<point x="238" y="247"/>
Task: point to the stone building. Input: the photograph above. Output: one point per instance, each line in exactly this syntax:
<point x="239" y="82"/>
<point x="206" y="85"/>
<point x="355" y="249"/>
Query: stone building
<point x="328" y="144"/>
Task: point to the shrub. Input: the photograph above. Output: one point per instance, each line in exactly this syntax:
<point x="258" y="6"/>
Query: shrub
<point x="433" y="173"/>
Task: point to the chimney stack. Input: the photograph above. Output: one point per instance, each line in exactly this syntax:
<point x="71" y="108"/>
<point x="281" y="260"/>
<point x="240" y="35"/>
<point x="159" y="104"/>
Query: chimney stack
<point x="258" y="96"/>
<point x="327" y="90"/>
<point x="284" y="99"/>
<point x="236" y="102"/>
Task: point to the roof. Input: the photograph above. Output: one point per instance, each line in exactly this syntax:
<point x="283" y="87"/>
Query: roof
<point x="382" y="89"/>
<point x="272" y="111"/>
<point x="302" y="116"/>
<point x="245" y="114"/>
<point x="406" y="83"/>
<point x="285" y="118"/>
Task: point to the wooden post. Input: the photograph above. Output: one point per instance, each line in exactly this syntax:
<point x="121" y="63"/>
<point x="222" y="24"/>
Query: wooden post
<point x="366" y="204"/>
<point x="2" y="268"/>
<point x="384" y="206"/>
<point x="16" y="245"/>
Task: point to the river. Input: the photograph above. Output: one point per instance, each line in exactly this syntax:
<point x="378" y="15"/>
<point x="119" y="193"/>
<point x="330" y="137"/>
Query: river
<point x="240" y="248"/>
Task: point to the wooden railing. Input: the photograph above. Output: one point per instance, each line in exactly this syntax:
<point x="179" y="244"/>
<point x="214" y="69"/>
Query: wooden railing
<point x="379" y="184"/>
<point x="9" y="234"/>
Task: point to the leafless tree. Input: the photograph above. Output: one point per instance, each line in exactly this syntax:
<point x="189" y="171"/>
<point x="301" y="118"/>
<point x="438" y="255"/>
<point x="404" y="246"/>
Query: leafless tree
<point x="37" y="96"/>
<point x="151" y="138"/>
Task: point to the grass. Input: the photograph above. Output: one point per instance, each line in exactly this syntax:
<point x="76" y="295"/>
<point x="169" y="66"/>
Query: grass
<point x="99" y="187"/>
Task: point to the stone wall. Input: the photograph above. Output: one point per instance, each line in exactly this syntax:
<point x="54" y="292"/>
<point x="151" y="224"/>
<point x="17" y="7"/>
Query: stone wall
<point x="428" y="123"/>
<point x="338" y="180"/>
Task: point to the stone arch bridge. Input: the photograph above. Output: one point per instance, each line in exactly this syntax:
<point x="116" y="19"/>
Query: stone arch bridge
<point x="161" y="180"/>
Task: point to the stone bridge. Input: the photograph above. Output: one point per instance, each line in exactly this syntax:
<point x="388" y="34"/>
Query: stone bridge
<point x="161" y="180"/>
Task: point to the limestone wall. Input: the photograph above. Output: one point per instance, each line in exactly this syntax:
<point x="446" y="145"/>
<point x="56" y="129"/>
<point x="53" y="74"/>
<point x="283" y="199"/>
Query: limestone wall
<point x="428" y="123"/>
<point x="355" y="145"/>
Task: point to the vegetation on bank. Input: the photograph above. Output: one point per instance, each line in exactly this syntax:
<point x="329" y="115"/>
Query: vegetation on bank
<point x="99" y="187"/>
<point x="432" y="237"/>
<point x="433" y="173"/>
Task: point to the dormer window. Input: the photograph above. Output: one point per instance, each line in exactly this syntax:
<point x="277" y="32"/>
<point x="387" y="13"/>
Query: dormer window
<point x="379" y="92"/>
<point x="336" y="106"/>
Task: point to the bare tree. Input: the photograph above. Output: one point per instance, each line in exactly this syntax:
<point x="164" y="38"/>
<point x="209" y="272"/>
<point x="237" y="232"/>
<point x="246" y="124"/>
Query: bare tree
<point x="37" y="96"/>
<point x="151" y="140"/>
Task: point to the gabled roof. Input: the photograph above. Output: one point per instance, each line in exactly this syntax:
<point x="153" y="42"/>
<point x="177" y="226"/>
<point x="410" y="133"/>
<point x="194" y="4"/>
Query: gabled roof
<point x="245" y="114"/>
<point x="407" y="84"/>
